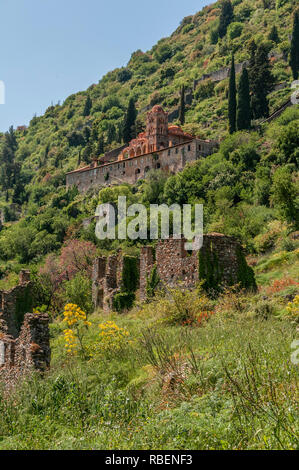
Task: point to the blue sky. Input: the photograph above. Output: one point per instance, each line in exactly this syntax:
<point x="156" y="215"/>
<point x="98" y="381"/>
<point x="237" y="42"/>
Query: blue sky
<point x="53" y="48"/>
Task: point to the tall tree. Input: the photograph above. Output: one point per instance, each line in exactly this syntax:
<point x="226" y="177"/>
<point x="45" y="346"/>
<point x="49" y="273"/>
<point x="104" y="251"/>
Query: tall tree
<point x="243" y="106"/>
<point x="294" y="55"/>
<point x="261" y="82"/>
<point x="129" y="123"/>
<point x="87" y="107"/>
<point x="226" y="17"/>
<point x="87" y="153"/>
<point x="182" y="106"/>
<point x="232" y="98"/>
<point x="273" y="35"/>
<point x="252" y="51"/>
<point x="111" y="133"/>
<point x="8" y="166"/>
<point x="79" y="158"/>
<point x="101" y="146"/>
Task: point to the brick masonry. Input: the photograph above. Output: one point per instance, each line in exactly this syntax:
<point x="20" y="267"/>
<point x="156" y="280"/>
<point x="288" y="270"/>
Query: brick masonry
<point x="175" y="266"/>
<point x="160" y="147"/>
<point x="24" y="337"/>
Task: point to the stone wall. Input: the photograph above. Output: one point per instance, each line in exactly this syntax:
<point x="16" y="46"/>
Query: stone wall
<point x="220" y="74"/>
<point x="14" y="303"/>
<point x="107" y="280"/>
<point x="170" y="160"/>
<point x="24" y="337"/>
<point x="216" y="263"/>
<point x="30" y="351"/>
<point x="176" y="266"/>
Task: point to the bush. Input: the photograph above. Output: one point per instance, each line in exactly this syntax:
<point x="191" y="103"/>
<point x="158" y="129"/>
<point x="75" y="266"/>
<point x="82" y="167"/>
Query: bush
<point x="245" y="273"/>
<point x="293" y="309"/>
<point x="163" y="52"/>
<point x="184" y="307"/>
<point x="78" y="291"/>
<point x="124" y="75"/>
<point x="123" y="301"/>
<point x="264" y="310"/>
<point x="130" y="277"/>
<point x="235" y="30"/>
<point x="152" y="282"/>
<point x="267" y="240"/>
<point x="187" y="28"/>
<point x="205" y="90"/>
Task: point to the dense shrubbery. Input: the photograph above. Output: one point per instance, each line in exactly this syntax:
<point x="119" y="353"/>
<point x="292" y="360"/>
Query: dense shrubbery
<point x="181" y="370"/>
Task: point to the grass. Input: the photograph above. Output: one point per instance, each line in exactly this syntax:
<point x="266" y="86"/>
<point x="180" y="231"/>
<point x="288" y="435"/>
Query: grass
<point x="228" y="383"/>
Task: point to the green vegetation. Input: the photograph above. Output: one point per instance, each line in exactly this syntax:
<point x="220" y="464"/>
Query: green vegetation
<point x="294" y="54"/>
<point x="180" y="371"/>
<point x="243" y="108"/>
<point x="182" y="107"/>
<point x="152" y="283"/>
<point x="232" y="98"/>
<point x="150" y="381"/>
<point x="129" y="132"/>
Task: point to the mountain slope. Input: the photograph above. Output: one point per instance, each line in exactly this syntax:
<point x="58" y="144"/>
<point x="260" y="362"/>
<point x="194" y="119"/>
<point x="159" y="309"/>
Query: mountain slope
<point x="55" y="139"/>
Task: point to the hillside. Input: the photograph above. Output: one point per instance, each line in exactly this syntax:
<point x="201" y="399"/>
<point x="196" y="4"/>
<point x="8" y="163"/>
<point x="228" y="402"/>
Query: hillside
<point x="208" y="368"/>
<point x="148" y="381"/>
<point x="52" y="143"/>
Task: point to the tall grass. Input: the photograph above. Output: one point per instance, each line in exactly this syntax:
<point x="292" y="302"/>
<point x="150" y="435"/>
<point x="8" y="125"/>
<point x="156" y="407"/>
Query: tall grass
<point x="227" y="384"/>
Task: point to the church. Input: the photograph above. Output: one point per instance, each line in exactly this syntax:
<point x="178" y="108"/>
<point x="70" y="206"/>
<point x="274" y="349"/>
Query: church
<point x="161" y="146"/>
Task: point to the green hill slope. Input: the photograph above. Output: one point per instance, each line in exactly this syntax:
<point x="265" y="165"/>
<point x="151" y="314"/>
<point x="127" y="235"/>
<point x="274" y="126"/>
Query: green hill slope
<point x="34" y="161"/>
<point x="53" y="141"/>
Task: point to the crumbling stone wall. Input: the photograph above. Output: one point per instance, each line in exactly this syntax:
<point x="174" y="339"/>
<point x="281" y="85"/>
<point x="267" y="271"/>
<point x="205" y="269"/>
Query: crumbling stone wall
<point x="220" y="261"/>
<point x="107" y="280"/>
<point x="14" y="303"/>
<point x="24" y="337"/>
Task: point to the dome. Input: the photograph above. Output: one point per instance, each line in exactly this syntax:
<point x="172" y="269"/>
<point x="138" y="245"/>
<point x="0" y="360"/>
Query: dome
<point x="157" y="109"/>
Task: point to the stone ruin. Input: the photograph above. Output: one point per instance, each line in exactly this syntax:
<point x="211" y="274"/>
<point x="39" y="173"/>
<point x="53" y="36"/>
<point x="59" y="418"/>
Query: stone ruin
<point x="220" y="262"/>
<point x="24" y="337"/>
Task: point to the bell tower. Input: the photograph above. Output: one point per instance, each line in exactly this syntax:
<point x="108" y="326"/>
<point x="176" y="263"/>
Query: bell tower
<point x="157" y="129"/>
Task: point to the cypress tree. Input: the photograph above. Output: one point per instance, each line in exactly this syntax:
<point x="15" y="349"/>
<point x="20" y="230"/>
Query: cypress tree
<point x="273" y="35"/>
<point x="101" y="146"/>
<point x="226" y="17"/>
<point x="243" y="107"/>
<point x="182" y="106"/>
<point x="252" y="51"/>
<point x="294" y="55"/>
<point x="111" y="135"/>
<point x="87" y="107"/>
<point x="232" y="98"/>
<point x="261" y="83"/>
<point x="129" y="123"/>
<point x="87" y="153"/>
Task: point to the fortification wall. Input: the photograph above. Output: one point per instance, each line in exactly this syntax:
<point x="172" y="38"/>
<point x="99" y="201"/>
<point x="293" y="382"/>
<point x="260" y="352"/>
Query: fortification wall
<point x="170" y="160"/>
